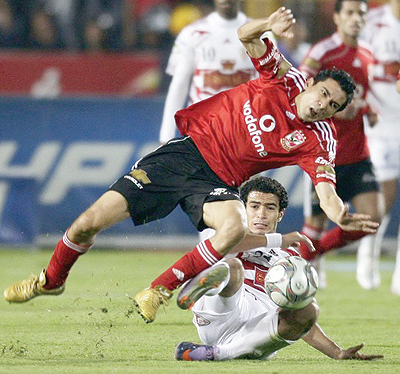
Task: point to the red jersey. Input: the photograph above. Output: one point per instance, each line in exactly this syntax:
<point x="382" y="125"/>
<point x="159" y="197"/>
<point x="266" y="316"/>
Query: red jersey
<point x="331" y="53"/>
<point x="255" y="127"/>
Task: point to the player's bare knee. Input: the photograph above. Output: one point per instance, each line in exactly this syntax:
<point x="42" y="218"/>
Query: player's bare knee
<point x="84" y="228"/>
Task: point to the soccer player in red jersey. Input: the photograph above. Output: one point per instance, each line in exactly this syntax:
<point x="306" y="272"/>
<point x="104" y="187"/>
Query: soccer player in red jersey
<point x="356" y="181"/>
<point x="269" y="122"/>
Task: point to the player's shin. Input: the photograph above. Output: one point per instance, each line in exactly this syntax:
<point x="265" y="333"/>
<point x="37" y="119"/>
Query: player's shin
<point x="64" y="256"/>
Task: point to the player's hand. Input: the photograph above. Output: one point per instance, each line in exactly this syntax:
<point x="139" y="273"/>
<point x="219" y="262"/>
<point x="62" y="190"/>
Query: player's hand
<point x="356" y="221"/>
<point x="353" y="353"/>
<point x="293" y="239"/>
<point x="281" y="21"/>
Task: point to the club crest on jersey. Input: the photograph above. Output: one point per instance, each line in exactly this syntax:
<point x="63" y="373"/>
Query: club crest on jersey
<point x="293" y="140"/>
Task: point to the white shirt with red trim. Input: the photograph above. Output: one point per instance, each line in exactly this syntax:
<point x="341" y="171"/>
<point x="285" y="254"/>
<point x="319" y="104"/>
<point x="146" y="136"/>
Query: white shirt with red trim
<point x="382" y="31"/>
<point x="256" y="263"/>
<point x="332" y="53"/>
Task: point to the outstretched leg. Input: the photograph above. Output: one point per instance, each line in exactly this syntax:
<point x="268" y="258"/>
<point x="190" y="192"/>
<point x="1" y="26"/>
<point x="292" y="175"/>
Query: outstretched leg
<point x="109" y="209"/>
<point x="228" y="219"/>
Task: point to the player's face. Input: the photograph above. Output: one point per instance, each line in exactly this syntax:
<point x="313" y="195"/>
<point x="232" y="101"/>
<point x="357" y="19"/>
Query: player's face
<point x="320" y="101"/>
<point x="350" y="19"/>
<point x="227" y="8"/>
<point x="263" y="212"/>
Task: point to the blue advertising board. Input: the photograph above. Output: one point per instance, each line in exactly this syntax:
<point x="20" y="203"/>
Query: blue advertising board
<point x="58" y="156"/>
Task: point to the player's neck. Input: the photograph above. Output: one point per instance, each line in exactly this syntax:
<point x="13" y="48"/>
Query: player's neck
<point x="228" y="15"/>
<point x="348" y="40"/>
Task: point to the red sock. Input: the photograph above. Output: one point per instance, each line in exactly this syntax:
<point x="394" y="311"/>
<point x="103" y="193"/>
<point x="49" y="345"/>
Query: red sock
<point x="337" y="238"/>
<point x="314" y="234"/>
<point x="64" y="256"/>
<point x="191" y="264"/>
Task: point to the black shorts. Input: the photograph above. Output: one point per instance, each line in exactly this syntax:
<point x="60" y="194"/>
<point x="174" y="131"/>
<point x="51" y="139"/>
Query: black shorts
<point x="352" y="180"/>
<point x="173" y="174"/>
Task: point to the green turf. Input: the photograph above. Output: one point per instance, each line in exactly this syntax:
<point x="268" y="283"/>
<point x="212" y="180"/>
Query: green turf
<point x="91" y="328"/>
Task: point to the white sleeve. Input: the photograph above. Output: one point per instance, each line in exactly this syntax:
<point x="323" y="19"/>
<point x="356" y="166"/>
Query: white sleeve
<point x="181" y="68"/>
<point x="176" y="99"/>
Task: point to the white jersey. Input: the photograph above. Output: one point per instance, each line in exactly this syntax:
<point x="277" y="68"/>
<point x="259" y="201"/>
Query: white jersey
<point x="207" y="58"/>
<point x="217" y="57"/>
<point x="382" y="32"/>
<point x="234" y="323"/>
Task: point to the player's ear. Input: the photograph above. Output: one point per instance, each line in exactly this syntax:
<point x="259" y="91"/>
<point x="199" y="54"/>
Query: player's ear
<point x="309" y="82"/>
<point x="281" y="214"/>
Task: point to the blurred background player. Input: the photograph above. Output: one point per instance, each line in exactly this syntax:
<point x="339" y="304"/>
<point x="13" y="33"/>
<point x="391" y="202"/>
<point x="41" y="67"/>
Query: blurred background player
<point x="207" y="58"/>
<point x="356" y="182"/>
<point x="233" y="315"/>
<point x="382" y="31"/>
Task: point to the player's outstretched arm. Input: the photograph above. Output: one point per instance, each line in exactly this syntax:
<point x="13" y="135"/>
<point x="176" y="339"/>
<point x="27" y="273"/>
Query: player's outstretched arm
<point x="278" y="22"/>
<point x="338" y="212"/>
<point x="252" y="241"/>
<point x="320" y="341"/>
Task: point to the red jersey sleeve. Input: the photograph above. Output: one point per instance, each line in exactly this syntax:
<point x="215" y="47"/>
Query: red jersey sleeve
<point x="268" y="64"/>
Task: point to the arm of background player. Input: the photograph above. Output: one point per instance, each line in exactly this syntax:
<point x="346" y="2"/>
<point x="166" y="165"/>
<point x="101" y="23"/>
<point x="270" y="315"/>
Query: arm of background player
<point x="317" y="339"/>
<point x="338" y="212"/>
<point x="176" y="99"/>
<point x="278" y="22"/>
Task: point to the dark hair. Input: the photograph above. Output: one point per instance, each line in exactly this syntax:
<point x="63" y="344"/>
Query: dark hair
<point x="343" y="78"/>
<point x="266" y="185"/>
<point x="338" y="4"/>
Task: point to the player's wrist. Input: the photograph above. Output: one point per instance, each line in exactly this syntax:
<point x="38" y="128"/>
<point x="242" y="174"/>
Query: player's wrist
<point x="274" y="240"/>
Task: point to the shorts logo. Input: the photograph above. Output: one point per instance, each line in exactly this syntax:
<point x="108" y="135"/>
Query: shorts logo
<point x="140" y="175"/>
<point x="201" y="321"/>
<point x="219" y="192"/>
<point x="137" y="177"/>
<point x="293" y="140"/>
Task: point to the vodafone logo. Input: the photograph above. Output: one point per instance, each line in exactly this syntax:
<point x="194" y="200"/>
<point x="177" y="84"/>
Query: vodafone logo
<point x="266" y="123"/>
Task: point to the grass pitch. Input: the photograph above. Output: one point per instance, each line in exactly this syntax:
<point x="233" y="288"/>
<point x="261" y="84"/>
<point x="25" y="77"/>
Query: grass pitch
<point x="92" y="328"/>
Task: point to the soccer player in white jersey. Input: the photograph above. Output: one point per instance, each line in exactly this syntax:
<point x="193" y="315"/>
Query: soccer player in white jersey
<point x="270" y="122"/>
<point x="382" y="31"/>
<point x="207" y="58"/>
<point x="233" y="315"/>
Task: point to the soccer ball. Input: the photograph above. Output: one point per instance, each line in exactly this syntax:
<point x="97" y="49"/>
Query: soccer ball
<point x="291" y="282"/>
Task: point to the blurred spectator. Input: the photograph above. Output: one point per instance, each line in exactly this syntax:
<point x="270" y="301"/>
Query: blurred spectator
<point x="10" y="29"/>
<point x="153" y="28"/>
<point x="63" y="15"/>
<point x="103" y="24"/>
<point x="44" y="33"/>
<point x="14" y="22"/>
<point x="182" y="15"/>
